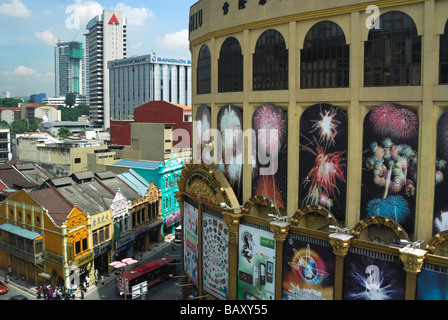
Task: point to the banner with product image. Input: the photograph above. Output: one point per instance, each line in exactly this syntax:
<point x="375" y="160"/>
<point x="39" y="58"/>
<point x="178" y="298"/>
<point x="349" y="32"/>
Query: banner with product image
<point x="256" y="264"/>
<point x="191" y="265"/>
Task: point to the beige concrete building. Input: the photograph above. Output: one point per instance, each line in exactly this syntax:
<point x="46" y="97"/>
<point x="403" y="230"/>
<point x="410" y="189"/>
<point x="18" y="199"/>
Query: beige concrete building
<point x="357" y="93"/>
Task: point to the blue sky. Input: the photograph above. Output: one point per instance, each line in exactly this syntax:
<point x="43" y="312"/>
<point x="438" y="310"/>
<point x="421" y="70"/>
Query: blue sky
<point x="29" y="30"/>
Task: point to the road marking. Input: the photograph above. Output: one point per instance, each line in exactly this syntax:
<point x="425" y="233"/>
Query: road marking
<point x="27" y="293"/>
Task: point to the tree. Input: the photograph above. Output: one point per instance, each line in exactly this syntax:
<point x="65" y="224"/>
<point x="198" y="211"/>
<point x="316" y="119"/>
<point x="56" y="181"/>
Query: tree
<point x="25" y="125"/>
<point x="64" y="132"/>
<point x="70" y="99"/>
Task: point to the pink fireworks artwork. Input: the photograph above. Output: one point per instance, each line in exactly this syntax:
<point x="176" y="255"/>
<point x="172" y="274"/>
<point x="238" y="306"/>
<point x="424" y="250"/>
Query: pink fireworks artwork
<point x="268" y="186"/>
<point x="270" y="125"/>
<point x="387" y="119"/>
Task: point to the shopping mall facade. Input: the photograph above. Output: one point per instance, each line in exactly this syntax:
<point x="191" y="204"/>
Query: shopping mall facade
<point x="330" y="181"/>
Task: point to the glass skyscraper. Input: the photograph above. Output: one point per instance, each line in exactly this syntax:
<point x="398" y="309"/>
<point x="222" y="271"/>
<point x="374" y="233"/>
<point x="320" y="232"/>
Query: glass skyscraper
<point x="69" y="61"/>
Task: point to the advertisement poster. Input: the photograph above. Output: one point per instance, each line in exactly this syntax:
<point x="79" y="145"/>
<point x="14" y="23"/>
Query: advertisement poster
<point x="389" y="169"/>
<point x="441" y="183"/>
<point x="202" y="134"/>
<point x="432" y="285"/>
<point x="323" y="158"/>
<point x="230" y="125"/>
<point x="269" y="172"/>
<point x="308" y="271"/>
<point x="215" y="256"/>
<point x="256" y="264"/>
<point x="191" y="265"/>
<point x="368" y="278"/>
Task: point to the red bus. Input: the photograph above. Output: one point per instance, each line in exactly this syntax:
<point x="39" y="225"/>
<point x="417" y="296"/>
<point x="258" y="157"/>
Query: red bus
<point x="153" y="272"/>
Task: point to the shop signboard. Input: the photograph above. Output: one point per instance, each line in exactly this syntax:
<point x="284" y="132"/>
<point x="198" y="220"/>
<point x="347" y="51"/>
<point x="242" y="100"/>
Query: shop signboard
<point x="191" y="265"/>
<point x="308" y="269"/>
<point x="215" y="256"/>
<point x="373" y="276"/>
<point x="256" y="264"/>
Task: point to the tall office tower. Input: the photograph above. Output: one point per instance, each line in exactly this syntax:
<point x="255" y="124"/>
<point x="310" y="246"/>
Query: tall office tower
<point x="105" y="41"/>
<point x="68" y="64"/>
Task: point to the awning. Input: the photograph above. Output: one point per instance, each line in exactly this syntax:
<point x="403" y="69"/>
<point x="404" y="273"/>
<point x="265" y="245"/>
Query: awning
<point x="21" y="232"/>
<point x="45" y="275"/>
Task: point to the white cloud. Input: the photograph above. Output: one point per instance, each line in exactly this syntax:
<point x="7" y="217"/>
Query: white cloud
<point x="46" y="36"/>
<point x="22" y="72"/>
<point x="137" y="45"/>
<point x="135" y="16"/>
<point x="14" y="8"/>
<point x="81" y="12"/>
<point x="175" y="40"/>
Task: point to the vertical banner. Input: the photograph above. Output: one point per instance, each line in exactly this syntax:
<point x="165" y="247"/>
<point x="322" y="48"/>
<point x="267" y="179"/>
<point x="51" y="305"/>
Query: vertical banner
<point x="256" y="264"/>
<point x="389" y="170"/>
<point x="215" y="256"/>
<point x="323" y="164"/>
<point x="369" y="278"/>
<point x="269" y="171"/>
<point x="203" y="133"/>
<point x="230" y="125"/>
<point x="441" y="183"/>
<point x="191" y="261"/>
<point x="308" y="270"/>
<point x="432" y="285"/>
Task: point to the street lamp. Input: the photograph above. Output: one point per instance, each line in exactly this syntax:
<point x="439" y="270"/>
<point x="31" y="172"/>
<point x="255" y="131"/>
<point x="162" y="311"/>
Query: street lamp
<point x="121" y="265"/>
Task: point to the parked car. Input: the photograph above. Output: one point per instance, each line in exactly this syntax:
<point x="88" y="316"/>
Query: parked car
<point x="3" y="287"/>
<point x="18" y="297"/>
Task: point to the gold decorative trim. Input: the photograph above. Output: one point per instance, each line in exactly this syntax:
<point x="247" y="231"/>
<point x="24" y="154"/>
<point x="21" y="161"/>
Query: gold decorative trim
<point x="300" y="213"/>
<point x="436" y="240"/>
<point x="266" y="201"/>
<point x="368" y="221"/>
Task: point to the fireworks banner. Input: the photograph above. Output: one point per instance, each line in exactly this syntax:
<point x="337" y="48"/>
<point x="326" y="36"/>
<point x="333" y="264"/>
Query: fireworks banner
<point x="369" y="278"/>
<point x="432" y="285"/>
<point x="215" y="257"/>
<point x="308" y="270"/>
<point x="269" y="150"/>
<point x="230" y="125"/>
<point x="256" y="264"/>
<point x="389" y="172"/>
<point x="441" y="184"/>
<point x="322" y="162"/>
<point x="203" y="136"/>
<point x="191" y="264"/>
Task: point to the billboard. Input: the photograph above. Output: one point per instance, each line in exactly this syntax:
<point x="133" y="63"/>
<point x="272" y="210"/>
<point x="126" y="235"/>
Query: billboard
<point x="441" y="183"/>
<point x="215" y="256"/>
<point x="369" y="278"/>
<point x="191" y="265"/>
<point x="256" y="264"/>
<point x="389" y="169"/>
<point x="308" y="270"/>
<point x="432" y="285"/>
<point x="323" y="163"/>
<point x="269" y="152"/>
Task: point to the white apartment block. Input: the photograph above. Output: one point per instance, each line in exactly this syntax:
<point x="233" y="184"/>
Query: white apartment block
<point x="105" y="41"/>
<point x="140" y="79"/>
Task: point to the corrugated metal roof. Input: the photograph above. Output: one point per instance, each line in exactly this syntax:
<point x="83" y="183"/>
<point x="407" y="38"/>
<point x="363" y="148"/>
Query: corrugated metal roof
<point x="135" y="180"/>
<point x="21" y="232"/>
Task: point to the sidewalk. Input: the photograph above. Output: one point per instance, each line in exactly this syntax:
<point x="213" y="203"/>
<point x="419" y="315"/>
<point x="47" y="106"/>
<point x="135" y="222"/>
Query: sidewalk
<point x="31" y="288"/>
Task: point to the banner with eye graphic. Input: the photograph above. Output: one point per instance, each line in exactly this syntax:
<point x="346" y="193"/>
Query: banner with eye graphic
<point x="215" y="255"/>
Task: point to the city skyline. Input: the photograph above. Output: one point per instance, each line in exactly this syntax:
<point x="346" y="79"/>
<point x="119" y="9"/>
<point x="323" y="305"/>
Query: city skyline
<point x="31" y="30"/>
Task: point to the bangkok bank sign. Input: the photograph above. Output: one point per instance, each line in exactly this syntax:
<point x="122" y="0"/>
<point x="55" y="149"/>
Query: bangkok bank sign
<point x="157" y="59"/>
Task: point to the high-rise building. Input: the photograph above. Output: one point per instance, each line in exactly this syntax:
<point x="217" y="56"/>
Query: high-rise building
<point x="105" y="41"/>
<point x="68" y="63"/>
<point x="137" y="80"/>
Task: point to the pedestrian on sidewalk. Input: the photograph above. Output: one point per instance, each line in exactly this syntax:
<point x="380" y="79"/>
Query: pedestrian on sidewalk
<point x="6" y="278"/>
<point x="39" y="292"/>
<point x="87" y="282"/>
<point x="96" y="276"/>
<point x="102" y="279"/>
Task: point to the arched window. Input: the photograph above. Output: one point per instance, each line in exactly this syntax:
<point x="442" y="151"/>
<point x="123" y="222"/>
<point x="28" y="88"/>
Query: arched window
<point x="204" y="71"/>
<point x="270" y="62"/>
<point x="393" y="52"/>
<point x="324" y="57"/>
<point x="230" y="66"/>
<point x="443" y="68"/>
